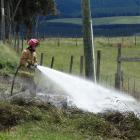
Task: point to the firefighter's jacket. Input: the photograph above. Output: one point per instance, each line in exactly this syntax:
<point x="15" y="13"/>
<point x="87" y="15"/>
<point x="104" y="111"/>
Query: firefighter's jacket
<point x="28" y="57"/>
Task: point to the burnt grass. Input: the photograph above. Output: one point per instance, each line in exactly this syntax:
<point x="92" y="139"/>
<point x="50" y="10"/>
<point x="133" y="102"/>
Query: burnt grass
<point x="12" y="114"/>
<point x="107" y="125"/>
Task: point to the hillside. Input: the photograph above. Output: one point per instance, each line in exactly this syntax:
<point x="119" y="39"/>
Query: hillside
<point x="100" y="8"/>
<point x="8" y="59"/>
<point x="110" y="18"/>
<point x="99" y="21"/>
<point x="105" y="26"/>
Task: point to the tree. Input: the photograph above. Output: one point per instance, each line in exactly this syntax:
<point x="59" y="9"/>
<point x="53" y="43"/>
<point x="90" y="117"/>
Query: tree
<point x="29" y="10"/>
<point x="11" y="9"/>
<point x="25" y="12"/>
<point x="2" y="21"/>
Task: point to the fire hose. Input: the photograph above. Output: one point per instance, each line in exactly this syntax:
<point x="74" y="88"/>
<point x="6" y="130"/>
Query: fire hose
<point x="13" y="82"/>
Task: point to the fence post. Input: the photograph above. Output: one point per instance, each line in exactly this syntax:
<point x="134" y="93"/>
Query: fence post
<point x="58" y="42"/>
<point x="98" y="65"/>
<point x="76" y="42"/>
<point x="62" y="68"/>
<point x="106" y="79"/>
<point x="128" y="85"/>
<point x="22" y="41"/>
<point x="110" y="81"/>
<point x="52" y="62"/>
<point x="81" y="64"/>
<point x="118" y="74"/>
<point x="135" y="40"/>
<point x="41" y="59"/>
<point x="18" y="42"/>
<point x="108" y="40"/>
<point x="15" y="40"/>
<point x="134" y="88"/>
<point x="122" y="40"/>
<point x="71" y="64"/>
<point x="44" y="36"/>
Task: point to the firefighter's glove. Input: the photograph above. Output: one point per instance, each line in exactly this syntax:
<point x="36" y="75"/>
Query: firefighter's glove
<point x="32" y="67"/>
<point x="35" y="65"/>
<point x="28" y="65"/>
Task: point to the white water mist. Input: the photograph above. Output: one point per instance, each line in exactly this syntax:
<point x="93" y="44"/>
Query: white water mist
<point x="87" y="95"/>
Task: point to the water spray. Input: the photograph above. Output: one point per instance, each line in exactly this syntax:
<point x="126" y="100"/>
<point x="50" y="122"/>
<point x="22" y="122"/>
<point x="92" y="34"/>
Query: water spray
<point x="93" y="48"/>
<point x="82" y="93"/>
<point x="87" y="95"/>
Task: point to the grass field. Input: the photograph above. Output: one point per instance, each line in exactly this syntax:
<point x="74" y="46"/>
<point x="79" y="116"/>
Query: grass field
<point x="63" y="48"/>
<point x="108" y="49"/>
<point x="100" y="21"/>
<point x="72" y="46"/>
<point x="8" y="59"/>
<point x="39" y="131"/>
<point x="68" y="47"/>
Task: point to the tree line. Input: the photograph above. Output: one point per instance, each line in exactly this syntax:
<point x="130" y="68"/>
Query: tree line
<point x="25" y="12"/>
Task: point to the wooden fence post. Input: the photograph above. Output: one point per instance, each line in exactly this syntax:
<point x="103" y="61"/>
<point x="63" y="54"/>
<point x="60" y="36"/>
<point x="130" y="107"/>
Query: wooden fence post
<point x="58" y="42"/>
<point x="71" y="64"/>
<point x="76" y="42"/>
<point x="108" y="40"/>
<point x="135" y="40"/>
<point x="52" y="62"/>
<point x="128" y="85"/>
<point x="122" y="40"/>
<point x="18" y="42"/>
<point x="41" y="59"/>
<point x="15" y="40"/>
<point x="106" y="79"/>
<point x="81" y="64"/>
<point x="118" y="74"/>
<point x="22" y="43"/>
<point x="98" y="65"/>
<point x="134" y="88"/>
<point x="44" y="36"/>
<point x="110" y="81"/>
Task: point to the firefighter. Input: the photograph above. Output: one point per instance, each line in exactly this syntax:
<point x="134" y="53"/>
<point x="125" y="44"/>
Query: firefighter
<point x="28" y="63"/>
<point x="28" y="58"/>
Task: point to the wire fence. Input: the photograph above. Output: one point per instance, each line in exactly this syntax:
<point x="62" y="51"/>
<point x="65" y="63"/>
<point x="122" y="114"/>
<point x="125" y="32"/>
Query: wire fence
<point x="130" y="84"/>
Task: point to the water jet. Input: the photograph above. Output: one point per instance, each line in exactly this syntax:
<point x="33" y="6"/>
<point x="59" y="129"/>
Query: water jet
<point x="87" y="95"/>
